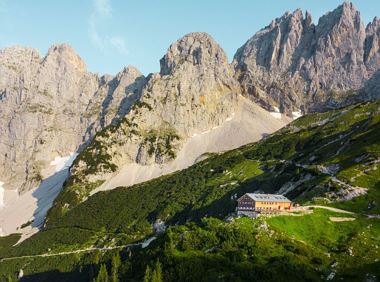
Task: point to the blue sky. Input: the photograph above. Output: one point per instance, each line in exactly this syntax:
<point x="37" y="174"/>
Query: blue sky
<point x="110" y="34"/>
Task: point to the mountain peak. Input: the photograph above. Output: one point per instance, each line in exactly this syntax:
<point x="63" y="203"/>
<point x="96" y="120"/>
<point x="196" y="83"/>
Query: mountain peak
<point x="193" y="49"/>
<point x="308" y="18"/>
<point x="345" y="15"/>
<point x="349" y="11"/>
<point x="129" y="69"/>
<point x="373" y="26"/>
<point x="347" y="6"/>
<point x="295" y="16"/>
<point x="65" y="54"/>
<point x="308" y="58"/>
<point x="61" y="48"/>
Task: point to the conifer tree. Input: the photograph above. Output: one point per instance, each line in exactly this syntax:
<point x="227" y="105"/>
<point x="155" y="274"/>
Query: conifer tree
<point x="148" y="274"/>
<point x="102" y="275"/>
<point x="116" y="263"/>
<point x="157" y="273"/>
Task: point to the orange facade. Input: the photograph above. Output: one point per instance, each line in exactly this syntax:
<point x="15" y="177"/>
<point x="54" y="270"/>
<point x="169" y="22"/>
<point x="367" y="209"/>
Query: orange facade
<point x="265" y="206"/>
<point x="246" y="203"/>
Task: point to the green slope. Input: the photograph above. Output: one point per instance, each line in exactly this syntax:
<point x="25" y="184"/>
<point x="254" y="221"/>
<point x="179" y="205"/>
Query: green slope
<point x="346" y="142"/>
<point x="286" y="248"/>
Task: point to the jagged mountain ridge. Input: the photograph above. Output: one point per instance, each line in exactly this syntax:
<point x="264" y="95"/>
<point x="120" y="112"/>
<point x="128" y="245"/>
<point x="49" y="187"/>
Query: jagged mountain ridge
<point x="195" y="95"/>
<point x="295" y="64"/>
<point x="50" y="107"/>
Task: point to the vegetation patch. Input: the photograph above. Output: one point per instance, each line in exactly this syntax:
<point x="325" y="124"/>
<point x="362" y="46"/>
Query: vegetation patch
<point x="159" y="142"/>
<point x="335" y="147"/>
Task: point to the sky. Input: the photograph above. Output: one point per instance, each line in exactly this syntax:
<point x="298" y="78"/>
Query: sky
<point x="111" y="34"/>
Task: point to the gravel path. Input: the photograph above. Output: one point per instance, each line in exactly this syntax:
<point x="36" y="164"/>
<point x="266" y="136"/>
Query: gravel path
<point x="144" y="244"/>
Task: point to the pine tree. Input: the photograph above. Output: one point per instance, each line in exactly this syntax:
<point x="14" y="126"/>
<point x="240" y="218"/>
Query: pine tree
<point x="148" y="274"/>
<point x="102" y="275"/>
<point x="157" y="273"/>
<point x="116" y="263"/>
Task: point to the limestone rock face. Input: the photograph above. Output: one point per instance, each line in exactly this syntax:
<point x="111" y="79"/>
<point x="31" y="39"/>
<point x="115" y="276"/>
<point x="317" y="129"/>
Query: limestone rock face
<point x="196" y="85"/>
<point x="372" y="45"/>
<point x="51" y="105"/>
<point x="193" y="106"/>
<point x="194" y="91"/>
<point x="294" y="64"/>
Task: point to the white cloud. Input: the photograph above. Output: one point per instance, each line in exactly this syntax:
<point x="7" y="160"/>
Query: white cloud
<point x="103" y="8"/>
<point x="119" y="44"/>
<point x="94" y="34"/>
<point x="102" y="12"/>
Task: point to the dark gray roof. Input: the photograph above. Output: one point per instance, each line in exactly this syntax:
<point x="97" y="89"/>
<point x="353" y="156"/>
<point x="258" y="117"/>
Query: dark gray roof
<point x="268" y="198"/>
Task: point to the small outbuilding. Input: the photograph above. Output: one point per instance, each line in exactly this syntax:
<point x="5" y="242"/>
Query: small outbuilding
<point x="262" y="203"/>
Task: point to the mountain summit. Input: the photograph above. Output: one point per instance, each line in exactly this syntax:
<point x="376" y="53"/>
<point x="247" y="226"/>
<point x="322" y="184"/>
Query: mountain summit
<point x="192" y="107"/>
<point x="294" y="64"/>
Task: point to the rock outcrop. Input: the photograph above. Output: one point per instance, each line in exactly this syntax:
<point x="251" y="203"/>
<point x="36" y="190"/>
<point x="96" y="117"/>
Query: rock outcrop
<point x="50" y="106"/>
<point x="294" y="64"/>
<point x="194" y="91"/>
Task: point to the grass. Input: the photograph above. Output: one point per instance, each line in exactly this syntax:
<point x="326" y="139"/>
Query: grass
<point x="352" y="244"/>
<point x="316" y="229"/>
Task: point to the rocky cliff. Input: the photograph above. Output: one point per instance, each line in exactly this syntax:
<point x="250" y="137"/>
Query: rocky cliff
<point x="185" y="110"/>
<point x="50" y="106"/>
<point x="295" y="64"/>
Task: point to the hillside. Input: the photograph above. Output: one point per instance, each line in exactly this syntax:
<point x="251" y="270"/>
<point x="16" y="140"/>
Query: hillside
<point x="323" y="158"/>
<point x="128" y="128"/>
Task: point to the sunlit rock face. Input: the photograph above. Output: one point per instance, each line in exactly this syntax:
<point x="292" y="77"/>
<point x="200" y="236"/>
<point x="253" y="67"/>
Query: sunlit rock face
<point x="51" y="105"/>
<point x="295" y="64"/>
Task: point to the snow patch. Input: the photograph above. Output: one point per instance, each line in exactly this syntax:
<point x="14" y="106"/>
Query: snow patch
<point x="147" y="242"/>
<point x="34" y="203"/>
<point x="276" y="115"/>
<point x="61" y="163"/>
<point x="297" y="114"/>
<point x="277" y="110"/>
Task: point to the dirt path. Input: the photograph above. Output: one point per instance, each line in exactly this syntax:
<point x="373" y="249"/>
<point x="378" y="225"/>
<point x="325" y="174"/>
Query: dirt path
<point x="330" y="209"/>
<point x="143" y="244"/>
